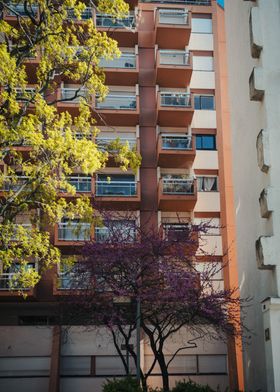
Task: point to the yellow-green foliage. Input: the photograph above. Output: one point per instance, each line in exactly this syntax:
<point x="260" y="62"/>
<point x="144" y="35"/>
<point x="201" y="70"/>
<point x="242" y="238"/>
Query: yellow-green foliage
<point x="55" y="152"/>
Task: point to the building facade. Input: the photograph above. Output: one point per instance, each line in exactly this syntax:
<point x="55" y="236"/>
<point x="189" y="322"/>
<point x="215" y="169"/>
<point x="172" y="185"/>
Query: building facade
<point x="253" y="30"/>
<point x="168" y="97"/>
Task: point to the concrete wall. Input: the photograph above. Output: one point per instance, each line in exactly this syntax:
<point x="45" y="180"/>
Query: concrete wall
<point x="247" y="119"/>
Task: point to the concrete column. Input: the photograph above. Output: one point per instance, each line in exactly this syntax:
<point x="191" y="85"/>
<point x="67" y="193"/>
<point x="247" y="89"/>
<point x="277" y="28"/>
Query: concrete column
<point x="55" y="360"/>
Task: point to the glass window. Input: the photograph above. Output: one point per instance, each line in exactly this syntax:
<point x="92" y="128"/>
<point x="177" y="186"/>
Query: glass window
<point x="203" y="63"/>
<point x="204" y="102"/>
<point x="206" y="142"/>
<point x="202" y="25"/>
<point x="207" y="184"/>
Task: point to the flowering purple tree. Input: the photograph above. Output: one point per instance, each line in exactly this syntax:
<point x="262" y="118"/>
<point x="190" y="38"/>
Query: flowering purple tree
<point x="159" y="270"/>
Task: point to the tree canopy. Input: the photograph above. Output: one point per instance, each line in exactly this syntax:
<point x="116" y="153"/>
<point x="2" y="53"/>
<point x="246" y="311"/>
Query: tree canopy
<point x="42" y="44"/>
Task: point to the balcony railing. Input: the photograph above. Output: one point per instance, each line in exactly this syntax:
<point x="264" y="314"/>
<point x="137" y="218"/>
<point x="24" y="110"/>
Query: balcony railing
<point x="178" y="186"/>
<point x="176" y="142"/>
<point x="10" y="184"/>
<point x="176" y="231"/>
<point x="116" y="188"/>
<point x="9" y="282"/>
<point x="68" y="94"/>
<point x="103" y="143"/>
<point x="127" y="234"/>
<point x="173" y="57"/>
<point x="19" y="9"/>
<point x="86" y="14"/>
<point x="82" y="184"/>
<point x="26" y="226"/>
<point x="126" y="61"/>
<point x="174" y="17"/>
<point x="118" y="102"/>
<point x="176" y="99"/>
<point x="185" y="2"/>
<point x="73" y="231"/>
<point x="110" y="21"/>
<point x="73" y="281"/>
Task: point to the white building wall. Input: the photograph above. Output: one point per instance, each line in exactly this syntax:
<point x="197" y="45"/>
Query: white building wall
<point x="247" y="120"/>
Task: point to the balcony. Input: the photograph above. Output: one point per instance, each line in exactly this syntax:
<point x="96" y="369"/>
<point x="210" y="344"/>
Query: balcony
<point x="185" y="2"/>
<point x="18" y="10"/>
<point x="117" y="194"/>
<point x="104" y="143"/>
<point x="10" y="285"/>
<point x="82" y="184"/>
<point x="86" y="14"/>
<point x="173" y="28"/>
<point x="71" y="232"/>
<point x="177" y="194"/>
<point x="174" y="109"/>
<point x="71" y="280"/>
<point x="122" y="30"/>
<point x="123" y="70"/>
<point x="70" y="97"/>
<point x="119" y="108"/>
<point x="173" y="68"/>
<point x="176" y="151"/>
<point x="12" y="184"/>
<point x="119" y="231"/>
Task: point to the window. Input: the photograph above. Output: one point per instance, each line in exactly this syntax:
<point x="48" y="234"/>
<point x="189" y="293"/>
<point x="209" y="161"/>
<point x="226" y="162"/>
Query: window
<point x="202" y="25"/>
<point x="207" y="184"/>
<point x="204" y="102"/>
<point x="206" y="142"/>
<point x="203" y="63"/>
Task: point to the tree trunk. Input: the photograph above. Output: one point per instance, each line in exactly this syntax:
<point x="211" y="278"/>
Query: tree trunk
<point x="164" y="372"/>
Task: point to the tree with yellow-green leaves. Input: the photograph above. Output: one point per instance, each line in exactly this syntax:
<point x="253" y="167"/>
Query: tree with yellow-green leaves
<point x="39" y="147"/>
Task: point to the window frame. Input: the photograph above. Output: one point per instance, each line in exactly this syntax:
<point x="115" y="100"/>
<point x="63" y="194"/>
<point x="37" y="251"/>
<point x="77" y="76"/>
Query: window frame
<point x="202" y="147"/>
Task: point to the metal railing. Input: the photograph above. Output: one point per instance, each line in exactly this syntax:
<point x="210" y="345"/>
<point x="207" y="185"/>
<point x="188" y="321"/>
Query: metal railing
<point x="14" y="185"/>
<point x="126" y="61"/>
<point x="118" y="102"/>
<point x="176" y="142"/>
<point x="82" y="184"/>
<point x="86" y="14"/>
<point x="103" y="143"/>
<point x="176" y="17"/>
<point x="23" y="95"/>
<point x="73" y="231"/>
<point x="73" y="280"/>
<point x="68" y="94"/>
<point x="176" y="99"/>
<point x="116" y="188"/>
<point x="19" y="9"/>
<point x="9" y="282"/>
<point x="110" y="21"/>
<point x="178" y="186"/>
<point x="174" y="57"/>
<point x="186" y="2"/>
<point x="126" y="234"/>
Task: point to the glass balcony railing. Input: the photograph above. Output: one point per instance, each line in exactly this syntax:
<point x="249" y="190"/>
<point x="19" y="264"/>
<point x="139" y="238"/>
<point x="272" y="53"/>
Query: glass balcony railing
<point x="126" y="61"/>
<point x="116" y="188"/>
<point x="178" y="186"/>
<point x="21" y="10"/>
<point x="173" y="57"/>
<point x="86" y="14"/>
<point x="176" y="142"/>
<point x="118" y="102"/>
<point x="185" y="2"/>
<point x="176" y="231"/>
<point x="82" y="184"/>
<point x="176" y="100"/>
<point x="110" y="21"/>
<point x="73" y="280"/>
<point x="173" y="16"/>
<point x="103" y="143"/>
<point x="116" y="233"/>
<point x="25" y="226"/>
<point x="69" y="94"/>
<point x="8" y="282"/>
<point x="73" y="231"/>
<point x="11" y="184"/>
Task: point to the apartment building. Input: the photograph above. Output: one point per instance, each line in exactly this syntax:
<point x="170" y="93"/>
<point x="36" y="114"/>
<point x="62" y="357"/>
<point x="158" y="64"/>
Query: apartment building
<point x="168" y="97"/>
<point x="253" y="32"/>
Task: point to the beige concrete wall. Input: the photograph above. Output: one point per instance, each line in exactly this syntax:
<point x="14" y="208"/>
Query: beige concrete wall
<point x="203" y="79"/>
<point x="204" y="119"/>
<point x="206" y="160"/>
<point x="208" y="202"/>
<point x="201" y="42"/>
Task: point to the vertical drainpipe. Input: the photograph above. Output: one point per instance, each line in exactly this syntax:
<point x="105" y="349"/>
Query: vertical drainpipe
<point x="54" y="379"/>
